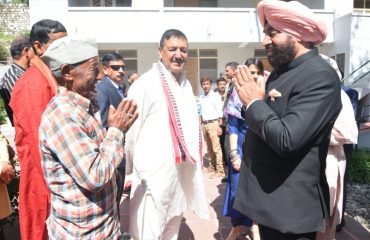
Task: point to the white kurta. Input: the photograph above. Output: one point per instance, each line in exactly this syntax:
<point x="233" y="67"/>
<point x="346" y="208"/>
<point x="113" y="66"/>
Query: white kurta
<point x="344" y="132"/>
<point x="162" y="189"/>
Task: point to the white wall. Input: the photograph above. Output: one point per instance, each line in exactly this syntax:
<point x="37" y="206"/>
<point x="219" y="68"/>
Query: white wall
<point x="3" y="70"/>
<point x="342" y="37"/>
<point x="352" y="37"/>
<point x="145" y="4"/>
<point x="55" y="10"/>
<point x="147" y="56"/>
<point x="326" y="49"/>
<point x="147" y="26"/>
<point x="233" y="54"/>
<point x="139" y="24"/>
<point x="360" y="39"/>
<point x="143" y="24"/>
<point x="341" y="8"/>
<point x="314" y="4"/>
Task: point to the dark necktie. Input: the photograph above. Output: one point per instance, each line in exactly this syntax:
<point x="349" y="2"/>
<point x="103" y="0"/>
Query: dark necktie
<point x="121" y="92"/>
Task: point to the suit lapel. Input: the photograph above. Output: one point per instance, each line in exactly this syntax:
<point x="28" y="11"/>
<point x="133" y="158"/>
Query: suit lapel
<point x="115" y="96"/>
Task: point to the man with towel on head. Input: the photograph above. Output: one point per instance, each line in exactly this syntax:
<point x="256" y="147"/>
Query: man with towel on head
<point x="282" y="183"/>
<point x="79" y="157"/>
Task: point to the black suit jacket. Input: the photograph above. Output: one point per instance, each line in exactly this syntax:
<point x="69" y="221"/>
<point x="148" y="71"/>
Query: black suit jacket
<point x="282" y="180"/>
<point x="106" y="95"/>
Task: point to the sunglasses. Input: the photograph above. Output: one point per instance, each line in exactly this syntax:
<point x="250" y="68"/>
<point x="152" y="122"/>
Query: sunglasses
<point x="117" y="67"/>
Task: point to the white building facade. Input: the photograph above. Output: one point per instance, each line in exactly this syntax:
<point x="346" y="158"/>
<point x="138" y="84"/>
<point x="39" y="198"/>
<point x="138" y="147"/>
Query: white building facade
<point x="219" y="31"/>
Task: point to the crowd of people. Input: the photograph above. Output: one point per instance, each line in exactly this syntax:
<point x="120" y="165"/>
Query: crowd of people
<point x="276" y="138"/>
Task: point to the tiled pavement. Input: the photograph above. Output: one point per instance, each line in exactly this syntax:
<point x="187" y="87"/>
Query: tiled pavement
<point x="192" y="227"/>
<point x="218" y="227"/>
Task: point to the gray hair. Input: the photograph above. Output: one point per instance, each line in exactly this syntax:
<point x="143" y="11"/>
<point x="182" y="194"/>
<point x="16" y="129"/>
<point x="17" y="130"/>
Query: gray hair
<point x="57" y="73"/>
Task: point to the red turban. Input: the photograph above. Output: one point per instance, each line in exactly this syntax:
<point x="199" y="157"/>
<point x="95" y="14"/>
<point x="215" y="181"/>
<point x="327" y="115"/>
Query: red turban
<point x="292" y="18"/>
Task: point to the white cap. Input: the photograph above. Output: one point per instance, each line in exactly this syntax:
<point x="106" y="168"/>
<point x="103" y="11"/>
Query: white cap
<point x="66" y="50"/>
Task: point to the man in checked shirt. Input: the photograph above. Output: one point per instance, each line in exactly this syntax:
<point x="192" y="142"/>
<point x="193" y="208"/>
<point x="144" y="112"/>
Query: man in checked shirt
<point x="80" y="157"/>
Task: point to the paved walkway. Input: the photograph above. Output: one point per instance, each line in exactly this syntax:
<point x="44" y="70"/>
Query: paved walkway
<point x="194" y="228"/>
<point x="218" y="227"/>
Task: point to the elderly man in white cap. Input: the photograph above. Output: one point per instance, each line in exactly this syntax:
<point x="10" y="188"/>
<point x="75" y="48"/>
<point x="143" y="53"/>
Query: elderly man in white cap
<point x="282" y="183"/>
<point x="79" y="157"/>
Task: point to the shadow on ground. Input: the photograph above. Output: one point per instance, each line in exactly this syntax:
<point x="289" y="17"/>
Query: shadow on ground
<point x="185" y="232"/>
<point x="224" y="222"/>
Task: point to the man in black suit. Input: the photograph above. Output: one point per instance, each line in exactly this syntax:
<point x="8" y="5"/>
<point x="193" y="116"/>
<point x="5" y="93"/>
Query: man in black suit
<point x="110" y="91"/>
<point x="282" y="184"/>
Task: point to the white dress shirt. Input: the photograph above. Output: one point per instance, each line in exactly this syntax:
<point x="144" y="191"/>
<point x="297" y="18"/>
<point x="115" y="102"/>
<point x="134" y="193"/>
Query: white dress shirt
<point x="210" y="106"/>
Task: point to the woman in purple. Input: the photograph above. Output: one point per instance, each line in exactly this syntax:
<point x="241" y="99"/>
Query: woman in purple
<point x="237" y="129"/>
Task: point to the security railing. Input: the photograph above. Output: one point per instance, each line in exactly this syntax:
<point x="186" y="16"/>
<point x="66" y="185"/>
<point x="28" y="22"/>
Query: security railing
<point x="360" y="78"/>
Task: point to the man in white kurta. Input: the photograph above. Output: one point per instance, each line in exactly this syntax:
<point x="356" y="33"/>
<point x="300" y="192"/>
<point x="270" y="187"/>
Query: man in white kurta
<point x="162" y="189"/>
<point x="344" y="131"/>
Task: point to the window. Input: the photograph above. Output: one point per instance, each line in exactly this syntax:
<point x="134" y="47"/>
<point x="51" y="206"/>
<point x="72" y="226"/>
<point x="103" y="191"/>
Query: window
<point x="123" y="3"/>
<point x="192" y="53"/>
<point x="207" y="3"/>
<point x="195" y="3"/>
<point x="211" y="3"/>
<point x="361" y="4"/>
<point x="99" y="3"/>
<point x="208" y="53"/>
<point x="130" y="57"/>
<point x="208" y="67"/>
<point x="208" y="63"/>
<point x="341" y="59"/>
<point x="260" y="53"/>
<point x="201" y="62"/>
<point x="190" y="3"/>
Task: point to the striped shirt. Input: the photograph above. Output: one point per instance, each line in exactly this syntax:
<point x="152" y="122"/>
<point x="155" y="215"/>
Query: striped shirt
<point x="11" y="76"/>
<point x="79" y="159"/>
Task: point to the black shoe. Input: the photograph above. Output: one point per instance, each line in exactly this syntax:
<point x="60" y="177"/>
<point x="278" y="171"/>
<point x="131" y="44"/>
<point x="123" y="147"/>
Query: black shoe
<point x="339" y="227"/>
<point x="224" y="179"/>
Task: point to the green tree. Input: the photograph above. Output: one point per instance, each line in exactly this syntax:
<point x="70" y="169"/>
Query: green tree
<point x="2" y="112"/>
<point x="3" y="51"/>
<point x="20" y="1"/>
<point x="5" y="41"/>
<point x="15" y="2"/>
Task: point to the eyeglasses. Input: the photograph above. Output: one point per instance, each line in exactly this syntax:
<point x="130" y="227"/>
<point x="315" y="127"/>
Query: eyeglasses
<point x="117" y="67"/>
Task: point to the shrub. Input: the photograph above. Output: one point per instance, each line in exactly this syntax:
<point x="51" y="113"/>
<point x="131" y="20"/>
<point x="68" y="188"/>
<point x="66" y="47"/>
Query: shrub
<point x="13" y="186"/>
<point x="5" y="41"/>
<point x="3" y="115"/>
<point x="359" y="166"/>
<point x="20" y="1"/>
<point x="3" y="52"/>
<point x="13" y="191"/>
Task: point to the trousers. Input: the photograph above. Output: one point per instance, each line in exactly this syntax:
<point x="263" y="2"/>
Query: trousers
<point x="213" y="146"/>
